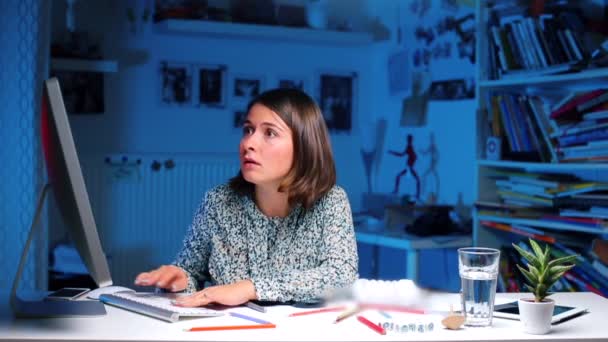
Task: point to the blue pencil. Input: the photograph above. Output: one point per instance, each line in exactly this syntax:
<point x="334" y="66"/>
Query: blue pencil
<point x="249" y="318"/>
<point x="383" y="313"/>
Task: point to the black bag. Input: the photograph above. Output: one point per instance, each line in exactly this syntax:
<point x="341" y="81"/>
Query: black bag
<point x="435" y="220"/>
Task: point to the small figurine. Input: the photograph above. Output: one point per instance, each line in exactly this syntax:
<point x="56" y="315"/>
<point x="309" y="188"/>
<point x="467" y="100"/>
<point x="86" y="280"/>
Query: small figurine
<point x="411" y="160"/>
<point x="433" y="153"/>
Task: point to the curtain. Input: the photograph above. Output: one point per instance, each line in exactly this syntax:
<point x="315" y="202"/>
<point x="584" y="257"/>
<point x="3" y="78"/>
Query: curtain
<point x="24" y="51"/>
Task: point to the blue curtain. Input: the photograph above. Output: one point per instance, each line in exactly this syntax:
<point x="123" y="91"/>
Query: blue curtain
<point x="24" y="51"/>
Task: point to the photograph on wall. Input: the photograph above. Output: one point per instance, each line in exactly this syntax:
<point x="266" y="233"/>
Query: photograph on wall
<point x="176" y="83"/>
<point x="247" y="87"/>
<point x="239" y="118"/>
<point x="336" y="99"/>
<point x="292" y="83"/>
<point x="457" y="89"/>
<point x="211" y="85"/>
<point x="82" y="91"/>
<point x="414" y="108"/>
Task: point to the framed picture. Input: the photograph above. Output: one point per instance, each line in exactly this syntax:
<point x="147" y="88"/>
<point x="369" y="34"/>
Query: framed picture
<point x="292" y="82"/>
<point x="239" y="118"/>
<point x="456" y="89"/>
<point x="82" y="91"/>
<point x="247" y="87"/>
<point x="175" y="83"/>
<point x="211" y="85"/>
<point x="336" y="99"/>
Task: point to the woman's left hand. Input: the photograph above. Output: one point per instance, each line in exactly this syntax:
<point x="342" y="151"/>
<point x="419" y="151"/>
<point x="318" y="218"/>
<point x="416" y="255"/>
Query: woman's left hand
<point x="232" y="294"/>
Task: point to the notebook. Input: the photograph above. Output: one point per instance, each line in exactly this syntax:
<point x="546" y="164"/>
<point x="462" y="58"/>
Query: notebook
<point x="157" y="305"/>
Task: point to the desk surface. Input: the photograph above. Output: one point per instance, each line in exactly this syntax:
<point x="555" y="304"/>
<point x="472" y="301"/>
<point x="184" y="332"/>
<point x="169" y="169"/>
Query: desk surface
<point x="120" y="325"/>
<point x="410" y="241"/>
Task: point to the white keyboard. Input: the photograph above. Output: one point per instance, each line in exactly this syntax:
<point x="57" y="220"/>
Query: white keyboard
<point x="157" y="305"/>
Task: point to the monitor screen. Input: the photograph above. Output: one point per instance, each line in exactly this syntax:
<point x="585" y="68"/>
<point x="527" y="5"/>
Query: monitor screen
<point x="67" y="183"/>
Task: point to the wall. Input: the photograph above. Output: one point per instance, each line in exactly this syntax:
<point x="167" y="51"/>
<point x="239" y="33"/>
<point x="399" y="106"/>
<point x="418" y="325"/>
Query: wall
<point x="136" y="122"/>
<point x="452" y="122"/>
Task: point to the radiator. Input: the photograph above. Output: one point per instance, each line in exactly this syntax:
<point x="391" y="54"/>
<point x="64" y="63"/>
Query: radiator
<point x="143" y="205"/>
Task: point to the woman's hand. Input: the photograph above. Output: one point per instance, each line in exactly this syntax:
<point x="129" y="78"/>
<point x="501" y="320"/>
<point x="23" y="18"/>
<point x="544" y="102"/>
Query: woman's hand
<point x="232" y="294"/>
<point x="168" y="277"/>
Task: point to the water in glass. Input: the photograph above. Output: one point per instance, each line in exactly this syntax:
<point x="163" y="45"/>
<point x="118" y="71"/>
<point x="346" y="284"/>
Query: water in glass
<point x="478" y="290"/>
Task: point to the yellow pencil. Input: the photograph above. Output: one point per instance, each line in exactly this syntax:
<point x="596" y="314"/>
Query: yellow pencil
<point x="347" y="314"/>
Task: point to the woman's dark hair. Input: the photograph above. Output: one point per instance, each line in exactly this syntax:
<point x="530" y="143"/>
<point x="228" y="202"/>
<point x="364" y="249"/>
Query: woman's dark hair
<point x="313" y="172"/>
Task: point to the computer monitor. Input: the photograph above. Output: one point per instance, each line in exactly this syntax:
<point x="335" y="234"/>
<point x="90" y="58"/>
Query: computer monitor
<point x="66" y="181"/>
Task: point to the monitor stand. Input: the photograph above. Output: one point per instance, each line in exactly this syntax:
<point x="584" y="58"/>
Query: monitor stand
<point x="42" y="308"/>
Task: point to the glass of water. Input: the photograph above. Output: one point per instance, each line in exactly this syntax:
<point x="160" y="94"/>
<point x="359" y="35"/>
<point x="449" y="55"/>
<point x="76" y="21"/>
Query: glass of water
<point x="478" y="268"/>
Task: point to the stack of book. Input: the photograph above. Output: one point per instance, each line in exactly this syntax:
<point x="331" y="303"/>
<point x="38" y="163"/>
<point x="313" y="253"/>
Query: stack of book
<point x="581" y="122"/>
<point x="524" y="44"/>
<point x="573" y="128"/>
<point x="525" y="126"/>
<point x="550" y="201"/>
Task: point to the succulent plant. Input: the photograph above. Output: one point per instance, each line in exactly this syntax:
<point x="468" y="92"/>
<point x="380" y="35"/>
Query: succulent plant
<point x="543" y="271"/>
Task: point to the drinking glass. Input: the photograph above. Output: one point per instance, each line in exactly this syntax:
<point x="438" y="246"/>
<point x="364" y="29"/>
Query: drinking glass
<point x="478" y="268"/>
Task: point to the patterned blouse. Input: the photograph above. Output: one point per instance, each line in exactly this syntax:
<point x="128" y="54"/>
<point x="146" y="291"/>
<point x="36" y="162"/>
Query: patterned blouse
<point x="299" y="257"/>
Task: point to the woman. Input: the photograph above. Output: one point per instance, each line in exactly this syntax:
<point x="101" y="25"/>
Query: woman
<point x="281" y="230"/>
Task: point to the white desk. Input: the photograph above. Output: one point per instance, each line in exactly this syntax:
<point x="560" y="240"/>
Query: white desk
<point x="120" y="325"/>
<point x="412" y="244"/>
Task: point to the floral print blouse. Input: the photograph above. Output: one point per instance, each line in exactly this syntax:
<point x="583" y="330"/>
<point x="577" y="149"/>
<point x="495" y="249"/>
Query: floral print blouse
<point x="296" y="258"/>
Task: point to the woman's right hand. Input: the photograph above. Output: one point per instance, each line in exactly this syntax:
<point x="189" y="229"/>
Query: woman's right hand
<point x="168" y="277"/>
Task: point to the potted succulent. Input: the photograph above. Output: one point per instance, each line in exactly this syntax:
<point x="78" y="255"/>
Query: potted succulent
<point x="541" y="273"/>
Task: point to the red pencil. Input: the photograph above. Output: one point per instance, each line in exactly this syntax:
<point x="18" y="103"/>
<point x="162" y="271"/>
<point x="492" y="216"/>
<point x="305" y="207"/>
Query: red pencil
<point x="310" y="312"/>
<point x="380" y="330"/>
<point x="234" y="327"/>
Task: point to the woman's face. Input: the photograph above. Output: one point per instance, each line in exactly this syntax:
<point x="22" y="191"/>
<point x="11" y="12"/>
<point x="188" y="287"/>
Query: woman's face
<point x="266" y="149"/>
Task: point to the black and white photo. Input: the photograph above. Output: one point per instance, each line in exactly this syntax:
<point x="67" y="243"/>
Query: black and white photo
<point x="82" y="91"/>
<point x="239" y="118"/>
<point x="292" y="83"/>
<point x="336" y="100"/>
<point x="247" y="87"/>
<point x="176" y="83"/>
<point x="456" y="89"/>
<point x="211" y="85"/>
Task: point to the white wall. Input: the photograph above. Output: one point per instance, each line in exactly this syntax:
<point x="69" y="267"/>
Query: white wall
<point x="136" y="122"/>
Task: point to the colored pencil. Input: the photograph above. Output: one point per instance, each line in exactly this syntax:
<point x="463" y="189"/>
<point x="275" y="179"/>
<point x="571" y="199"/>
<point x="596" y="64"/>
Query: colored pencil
<point x="347" y="314"/>
<point x="385" y="314"/>
<point x="375" y="327"/>
<point x="234" y="327"/>
<point x="256" y="307"/>
<point x="400" y="308"/>
<point x="310" y="312"/>
<point x="249" y="318"/>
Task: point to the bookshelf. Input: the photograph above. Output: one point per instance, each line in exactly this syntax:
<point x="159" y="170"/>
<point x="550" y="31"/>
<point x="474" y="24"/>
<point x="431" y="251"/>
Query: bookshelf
<point x="550" y="181"/>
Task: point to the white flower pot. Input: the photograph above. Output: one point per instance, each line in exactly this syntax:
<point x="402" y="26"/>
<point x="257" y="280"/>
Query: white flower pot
<point x="536" y="317"/>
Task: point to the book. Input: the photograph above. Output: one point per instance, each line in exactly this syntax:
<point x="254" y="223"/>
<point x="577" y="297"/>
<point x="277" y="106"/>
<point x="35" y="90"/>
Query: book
<point x="578" y="188"/>
<point x="520" y="230"/>
<point x="592" y="103"/>
<point x="600" y="248"/>
<point x="600" y="267"/>
<point x="570" y="108"/>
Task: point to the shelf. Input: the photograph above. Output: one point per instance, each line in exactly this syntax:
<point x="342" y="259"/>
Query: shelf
<point x="543" y="224"/>
<point x="587" y="76"/>
<point x="73" y="64"/>
<point x="540" y="167"/>
<point x="267" y="32"/>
